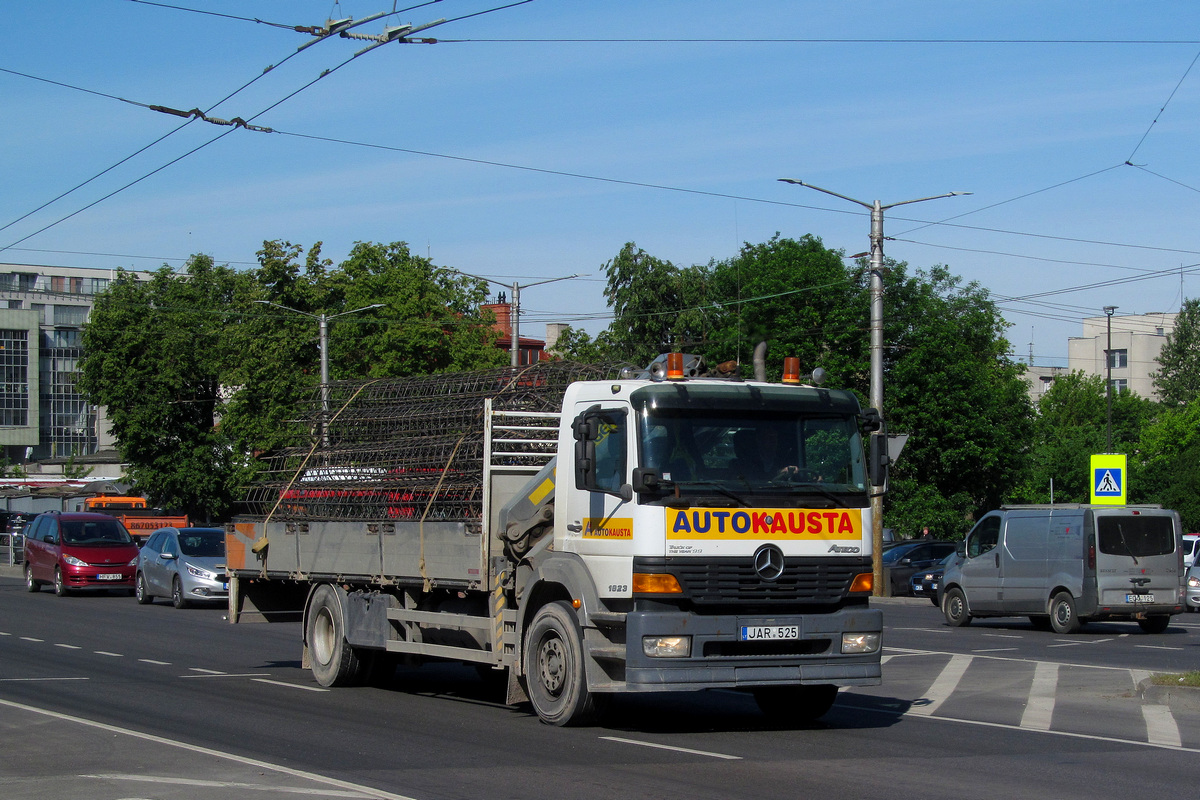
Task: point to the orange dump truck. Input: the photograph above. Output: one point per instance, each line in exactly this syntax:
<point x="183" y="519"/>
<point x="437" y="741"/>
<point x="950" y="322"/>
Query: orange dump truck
<point x="135" y="515"/>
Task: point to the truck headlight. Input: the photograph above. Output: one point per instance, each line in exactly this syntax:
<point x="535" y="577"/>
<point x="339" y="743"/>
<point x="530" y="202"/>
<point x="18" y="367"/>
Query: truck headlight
<point x="667" y="646"/>
<point x="853" y="643"/>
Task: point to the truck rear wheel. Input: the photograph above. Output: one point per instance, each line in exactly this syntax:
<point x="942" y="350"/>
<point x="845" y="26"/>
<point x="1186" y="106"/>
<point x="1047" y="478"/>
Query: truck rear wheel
<point x="334" y="662"/>
<point x="554" y="667"/>
<point x="795" y="703"/>
<point x="1063" y="618"/>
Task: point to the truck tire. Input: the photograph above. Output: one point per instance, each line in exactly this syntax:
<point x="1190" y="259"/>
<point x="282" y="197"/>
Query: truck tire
<point x="554" y="667"/>
<point x="1063" y="618"/>
<point x="1155" y="624"/>
<point x="31" y="585"/>
<point x="954" y="608"/>
<point x="334" y="662"/>
<point x="795" y="703"/>
<point x="141" y="592"/>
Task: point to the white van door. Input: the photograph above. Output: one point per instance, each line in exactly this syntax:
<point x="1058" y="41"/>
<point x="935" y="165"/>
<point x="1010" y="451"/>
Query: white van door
<point x="981" y="571"/>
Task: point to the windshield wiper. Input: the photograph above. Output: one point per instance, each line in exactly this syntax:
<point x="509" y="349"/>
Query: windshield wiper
<point x="1128" y="549"/>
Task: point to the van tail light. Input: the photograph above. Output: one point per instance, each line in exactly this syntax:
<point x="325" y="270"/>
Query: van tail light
<point x="1092" y="554"/>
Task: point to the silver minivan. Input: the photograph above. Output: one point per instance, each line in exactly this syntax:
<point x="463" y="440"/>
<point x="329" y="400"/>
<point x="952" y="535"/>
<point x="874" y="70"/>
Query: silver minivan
<point x="1064" y="565"/>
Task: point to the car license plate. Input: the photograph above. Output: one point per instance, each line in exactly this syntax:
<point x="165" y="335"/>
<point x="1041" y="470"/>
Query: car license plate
<point x="756" y="633"/>
<point x="109" y="576"/>
<point x="1139" y="598"/>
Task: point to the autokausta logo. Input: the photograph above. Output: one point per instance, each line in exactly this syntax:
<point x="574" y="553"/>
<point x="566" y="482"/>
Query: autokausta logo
<point x="707" y="523"/>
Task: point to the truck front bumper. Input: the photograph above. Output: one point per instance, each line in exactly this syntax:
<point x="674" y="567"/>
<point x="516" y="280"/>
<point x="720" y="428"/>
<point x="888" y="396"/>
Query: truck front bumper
<point x="721" y="658"/>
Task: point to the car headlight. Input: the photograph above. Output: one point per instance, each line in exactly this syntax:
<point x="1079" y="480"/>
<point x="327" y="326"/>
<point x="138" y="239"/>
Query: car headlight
<point x="854" y="643"/>
<point x="1194" y="582"/>
<point x="204" y="574"/>
<point x="132" y="562"/>
<point x="74" y="562"/>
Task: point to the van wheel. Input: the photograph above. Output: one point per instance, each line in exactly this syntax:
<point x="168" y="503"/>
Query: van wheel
<point x="60" y="586"/>
<point x="30" y="584"/>
<point x="1155" y="624"/>
<point x="1062" y="613"/>
<point x="954" y="607"/>
<point x="554" y="668"/>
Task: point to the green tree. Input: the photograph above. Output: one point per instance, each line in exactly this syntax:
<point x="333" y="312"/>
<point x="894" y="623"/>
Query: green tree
<point x="1166" y="470"/>
<point x="1178" y="379"/>
<point x="1071" y="426"/>
<point x="154" y="352"/>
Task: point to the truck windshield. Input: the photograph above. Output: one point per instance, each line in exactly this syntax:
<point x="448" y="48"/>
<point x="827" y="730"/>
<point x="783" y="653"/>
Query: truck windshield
<point x="776" y="453"/>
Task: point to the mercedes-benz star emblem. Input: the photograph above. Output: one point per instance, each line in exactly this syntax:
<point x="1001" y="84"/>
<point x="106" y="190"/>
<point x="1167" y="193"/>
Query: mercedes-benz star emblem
<point x="768" y="562"/>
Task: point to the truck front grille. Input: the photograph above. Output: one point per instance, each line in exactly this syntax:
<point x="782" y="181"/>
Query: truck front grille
<point x="733" y="581"/>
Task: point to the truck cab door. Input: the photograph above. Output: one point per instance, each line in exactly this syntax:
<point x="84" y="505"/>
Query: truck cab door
<point x="598" y="507"/>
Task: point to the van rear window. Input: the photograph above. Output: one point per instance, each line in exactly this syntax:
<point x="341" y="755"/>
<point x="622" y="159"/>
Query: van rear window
<point x="1136" y="536"/>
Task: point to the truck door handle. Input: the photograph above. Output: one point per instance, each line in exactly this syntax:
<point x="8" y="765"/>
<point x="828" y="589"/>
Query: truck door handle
<point x="577" y="526"/>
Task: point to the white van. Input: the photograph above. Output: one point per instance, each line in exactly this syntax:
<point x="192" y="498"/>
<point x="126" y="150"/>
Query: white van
<point x="1064" y="565"/>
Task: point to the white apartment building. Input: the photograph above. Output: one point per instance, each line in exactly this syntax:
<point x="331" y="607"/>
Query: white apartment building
<point x="42" y="416"/>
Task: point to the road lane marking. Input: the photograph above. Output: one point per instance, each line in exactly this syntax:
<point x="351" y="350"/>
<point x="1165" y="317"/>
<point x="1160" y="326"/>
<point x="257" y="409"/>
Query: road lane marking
<point x="375" y="794"/>
<point x="21" y="680"/>
<point x="292" y="685"/>
<point x="1003" y="635"/>
<point x="1161" y="727"/>
<point x="688" y="750"/>
<point x="943" y="685"/>
<point x="31" y="639"/>
<point x="207" y="671"/>
<point x="157" y="663"/>
<point x="995" y="650"/>
<point x="106" y="653"/>
<point x="1008" y="727"/>
<point x="262" y="787"/>
<point x="1157" y="647"/>
<point x="229" y="675"/>
<point x="69" y="646"/>
<point x="1039" y="708"/>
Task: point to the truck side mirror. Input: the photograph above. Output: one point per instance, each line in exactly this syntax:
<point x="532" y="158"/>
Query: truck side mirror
<point x="878" y="459"/>
<point x="646" y="481"/>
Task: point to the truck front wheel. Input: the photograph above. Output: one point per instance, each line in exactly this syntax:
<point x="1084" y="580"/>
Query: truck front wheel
<point x="334" y="662"/>
<point x="554" y="667"/>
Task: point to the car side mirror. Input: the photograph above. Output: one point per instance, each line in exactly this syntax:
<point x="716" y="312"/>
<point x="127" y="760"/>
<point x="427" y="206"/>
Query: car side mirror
<point x="169" y="556"/>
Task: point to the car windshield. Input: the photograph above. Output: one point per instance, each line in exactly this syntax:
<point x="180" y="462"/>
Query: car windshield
<point x="202" y="544"/>
<point x="93" y="531"/>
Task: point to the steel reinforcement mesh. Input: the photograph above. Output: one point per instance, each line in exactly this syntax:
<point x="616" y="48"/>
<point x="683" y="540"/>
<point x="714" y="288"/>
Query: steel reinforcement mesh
<point x="406" y="448"/>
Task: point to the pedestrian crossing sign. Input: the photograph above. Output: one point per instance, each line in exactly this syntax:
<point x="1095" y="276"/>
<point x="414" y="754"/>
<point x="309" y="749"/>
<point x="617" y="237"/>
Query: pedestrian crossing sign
<point x="1108" y="479"/>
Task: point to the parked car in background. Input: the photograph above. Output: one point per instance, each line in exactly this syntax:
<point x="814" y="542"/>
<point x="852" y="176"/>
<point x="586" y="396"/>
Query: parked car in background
<point x="908" y="558"/>
<point x="184" y="564"/>
<point x="78" y="551"/>
<point x="1192" y="590"/>
<point x="925" y="582"/>
<point x="1191" y="547"/>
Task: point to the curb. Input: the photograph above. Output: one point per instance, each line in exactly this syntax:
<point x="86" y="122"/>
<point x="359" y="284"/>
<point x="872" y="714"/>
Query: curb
<point x="1185" y="696"/>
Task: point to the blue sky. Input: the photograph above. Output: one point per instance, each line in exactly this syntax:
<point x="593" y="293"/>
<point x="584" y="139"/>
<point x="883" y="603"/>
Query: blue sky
<point x="1034" y="107"/>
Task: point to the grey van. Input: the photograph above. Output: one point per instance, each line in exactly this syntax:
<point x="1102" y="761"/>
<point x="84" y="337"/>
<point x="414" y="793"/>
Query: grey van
<point x="1064" y="565"/>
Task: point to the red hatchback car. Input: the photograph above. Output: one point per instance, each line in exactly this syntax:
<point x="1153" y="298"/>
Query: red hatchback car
<point x="77" y="550"/>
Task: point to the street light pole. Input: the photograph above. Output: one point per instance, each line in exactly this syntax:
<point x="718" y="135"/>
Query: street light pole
<point x="323" y="345"/>
<point x="1108" y="311"/>
<point x="876" y="389"/>
<point x="514" y="308"/>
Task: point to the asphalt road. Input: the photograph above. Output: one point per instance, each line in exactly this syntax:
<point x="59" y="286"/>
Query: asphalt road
<point x="103" y="698"/>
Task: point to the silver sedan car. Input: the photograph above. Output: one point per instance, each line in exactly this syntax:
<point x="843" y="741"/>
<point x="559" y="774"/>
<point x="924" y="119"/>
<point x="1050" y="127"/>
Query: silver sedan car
<point x="184" y="564"/>
<point x="1192" y="601"/>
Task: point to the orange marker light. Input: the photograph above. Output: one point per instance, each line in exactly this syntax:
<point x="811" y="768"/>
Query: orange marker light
<point x="674" y="366"/>
<point x="652" y="583"/>
<point x="863" y="582"/>
<point x="791" y="370"/>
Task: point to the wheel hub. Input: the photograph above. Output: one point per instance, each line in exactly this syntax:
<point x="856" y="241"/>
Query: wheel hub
<point x="551" y="665"/>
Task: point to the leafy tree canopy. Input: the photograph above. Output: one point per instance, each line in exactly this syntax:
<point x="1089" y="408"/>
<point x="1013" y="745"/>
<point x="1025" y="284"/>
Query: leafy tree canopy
<point x="1178" y="379"/>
